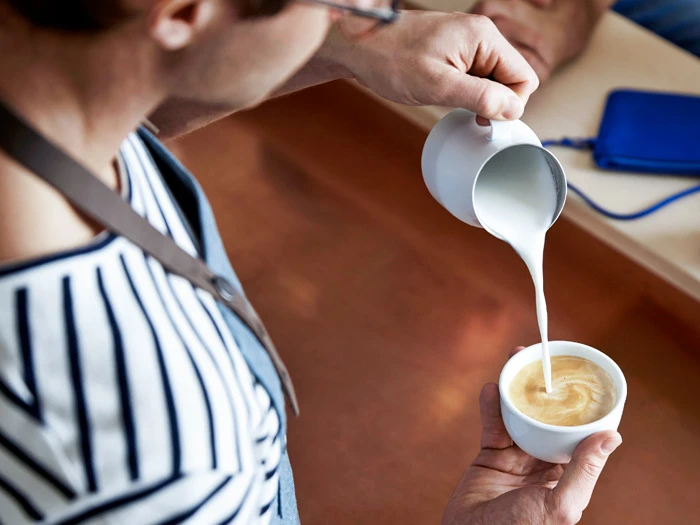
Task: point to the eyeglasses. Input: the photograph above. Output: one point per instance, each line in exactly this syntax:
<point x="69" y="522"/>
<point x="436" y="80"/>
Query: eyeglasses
<point x="359" y="22"/>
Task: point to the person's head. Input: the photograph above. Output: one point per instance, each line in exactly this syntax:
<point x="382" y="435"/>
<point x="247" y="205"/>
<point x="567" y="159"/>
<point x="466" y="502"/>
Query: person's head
<point x="219" y="52"/>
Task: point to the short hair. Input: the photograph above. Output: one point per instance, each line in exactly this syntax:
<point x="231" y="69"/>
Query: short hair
<point x="71" y="15"/>
<point x="93" y="15"/>
<point x="264" y="7"/>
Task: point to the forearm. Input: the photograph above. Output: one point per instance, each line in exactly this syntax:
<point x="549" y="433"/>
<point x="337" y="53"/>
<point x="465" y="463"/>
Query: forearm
<point x="319" y="70"/>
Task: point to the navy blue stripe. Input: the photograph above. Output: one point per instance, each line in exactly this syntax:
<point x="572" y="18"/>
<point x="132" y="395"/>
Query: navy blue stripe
<point x="32" y="465"/>
<point x="11" y="396"/>
<point x="25" y="344"/>
<point x="22" y="328"/>
<point x="210" y="413"/>
<point x="167" y="389"/>
<point x="279" y="499"/>
<point x="76" y="374"/>
<point x="271" y="411"/>
<point x="228" y="350"/>
<point x="280" y="431"/>
<point x="119" y="502"/>
<point x="261" y="439"/>
<point x="271" y="473"/>
<point x="187" y="514"/>
<point x="200" y="379"/>
<point x="269" y="408"/>
<point x="66" y="254"/>
<point x="267" y="506"/>
<point x="123" y="382"/>
<point x="21" y="500"/>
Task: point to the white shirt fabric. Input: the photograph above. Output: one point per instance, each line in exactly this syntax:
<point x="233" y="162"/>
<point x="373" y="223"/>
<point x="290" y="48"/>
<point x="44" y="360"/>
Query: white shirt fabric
<point x="123" y="396"/>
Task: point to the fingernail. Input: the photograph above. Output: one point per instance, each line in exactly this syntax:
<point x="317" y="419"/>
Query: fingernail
<point x="610" y="444"/>
<point x="514" y="107"/>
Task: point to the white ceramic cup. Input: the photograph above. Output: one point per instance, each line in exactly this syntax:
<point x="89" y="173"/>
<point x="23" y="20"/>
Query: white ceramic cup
<point x="552" y="443"/>
<point x="457" y="154"/>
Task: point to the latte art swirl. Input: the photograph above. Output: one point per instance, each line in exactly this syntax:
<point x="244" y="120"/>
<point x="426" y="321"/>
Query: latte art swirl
<point x="582" y="392"/>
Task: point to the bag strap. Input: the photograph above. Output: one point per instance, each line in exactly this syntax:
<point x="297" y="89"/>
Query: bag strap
<point x="85" y="191"/>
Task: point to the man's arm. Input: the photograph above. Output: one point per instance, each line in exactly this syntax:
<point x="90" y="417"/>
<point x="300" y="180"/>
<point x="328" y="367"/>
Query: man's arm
<point x="425" y="58"/>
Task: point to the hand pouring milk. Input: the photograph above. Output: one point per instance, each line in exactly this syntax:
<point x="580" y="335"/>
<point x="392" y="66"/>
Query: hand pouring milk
<point x="504" y="181"/>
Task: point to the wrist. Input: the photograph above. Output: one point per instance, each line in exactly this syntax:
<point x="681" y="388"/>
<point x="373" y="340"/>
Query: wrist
<point x="335" y="54"/>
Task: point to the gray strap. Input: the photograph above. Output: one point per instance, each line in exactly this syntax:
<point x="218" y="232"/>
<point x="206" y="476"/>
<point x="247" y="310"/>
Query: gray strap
<point x="95" y="199"/>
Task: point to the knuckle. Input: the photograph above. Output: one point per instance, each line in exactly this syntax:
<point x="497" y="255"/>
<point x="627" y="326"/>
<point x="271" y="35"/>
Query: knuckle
<point x="435" y="75"/>
<point x="487" y="103"/>
<point x="533" y="79"/>
<point x="590" y="470"/>
<point x="483" y="23"/>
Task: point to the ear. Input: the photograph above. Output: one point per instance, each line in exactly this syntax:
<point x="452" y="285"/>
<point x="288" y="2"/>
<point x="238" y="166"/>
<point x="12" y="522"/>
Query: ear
<point x="175" y="24"/>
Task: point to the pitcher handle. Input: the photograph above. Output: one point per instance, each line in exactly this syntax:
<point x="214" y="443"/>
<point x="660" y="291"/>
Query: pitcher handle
<point x="500" y="130"/>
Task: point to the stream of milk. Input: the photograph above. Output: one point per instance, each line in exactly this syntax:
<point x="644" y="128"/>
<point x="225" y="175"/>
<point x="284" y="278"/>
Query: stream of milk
<point x="515" y="198"/>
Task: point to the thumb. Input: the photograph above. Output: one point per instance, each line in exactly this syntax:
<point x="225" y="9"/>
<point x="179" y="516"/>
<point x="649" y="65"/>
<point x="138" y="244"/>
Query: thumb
<point x="573" y="492"/>
<point x="482" y="96"/>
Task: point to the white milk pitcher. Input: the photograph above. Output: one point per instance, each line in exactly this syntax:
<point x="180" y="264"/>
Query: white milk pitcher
<point x="502" y="179"/>
<point x="465" y="164"/>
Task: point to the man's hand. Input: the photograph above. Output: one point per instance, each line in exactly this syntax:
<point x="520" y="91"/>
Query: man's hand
<point x="444" y="59"/>
<point x="424" y="58"/>
<point x="505" y="486"/>
<point x="548" y="33"/>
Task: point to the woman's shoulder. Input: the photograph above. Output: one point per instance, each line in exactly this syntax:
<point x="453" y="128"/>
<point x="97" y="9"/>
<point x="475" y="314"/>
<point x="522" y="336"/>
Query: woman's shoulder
<point x="35" y="219"/>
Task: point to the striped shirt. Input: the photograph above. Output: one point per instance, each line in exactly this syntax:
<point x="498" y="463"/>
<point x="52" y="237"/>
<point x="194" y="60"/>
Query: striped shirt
<point x="124" y="397"/>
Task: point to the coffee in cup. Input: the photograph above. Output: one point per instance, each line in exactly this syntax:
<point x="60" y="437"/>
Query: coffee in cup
<point x="556" y="442"/>
<point x="582" y="392"/>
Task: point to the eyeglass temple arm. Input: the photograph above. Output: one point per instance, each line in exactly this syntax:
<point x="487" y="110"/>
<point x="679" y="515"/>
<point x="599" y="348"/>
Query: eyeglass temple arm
<point x="383" y="15"/>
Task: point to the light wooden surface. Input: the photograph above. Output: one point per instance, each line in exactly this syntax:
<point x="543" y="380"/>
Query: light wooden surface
<point x="391" y="315"/>
<point x="621" y="54"/>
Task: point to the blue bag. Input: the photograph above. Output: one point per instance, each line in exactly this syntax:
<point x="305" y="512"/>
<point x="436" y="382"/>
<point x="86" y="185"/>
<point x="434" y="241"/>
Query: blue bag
<point x="650" y="132"/>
